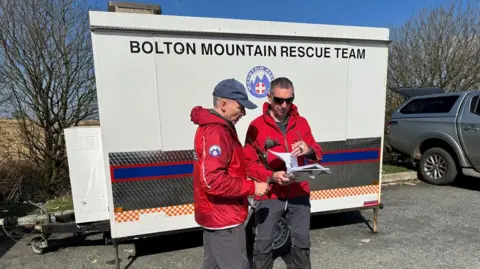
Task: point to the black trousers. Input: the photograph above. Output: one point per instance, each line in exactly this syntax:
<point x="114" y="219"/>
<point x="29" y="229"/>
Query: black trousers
<point x="267" y="214"/>
<point x="225" y="249"/>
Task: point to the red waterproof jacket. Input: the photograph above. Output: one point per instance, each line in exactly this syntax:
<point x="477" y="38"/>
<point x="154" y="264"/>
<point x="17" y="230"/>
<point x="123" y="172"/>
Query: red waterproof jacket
<point x="264" y="128"/>
<point x="220" y="181"/>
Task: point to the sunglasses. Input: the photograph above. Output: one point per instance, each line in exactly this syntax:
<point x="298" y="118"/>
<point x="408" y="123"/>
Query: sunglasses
<point x="279" y="100"/>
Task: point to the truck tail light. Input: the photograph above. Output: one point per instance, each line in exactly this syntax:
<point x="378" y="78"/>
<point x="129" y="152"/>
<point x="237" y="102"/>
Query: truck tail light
<point x="390" y="124"/>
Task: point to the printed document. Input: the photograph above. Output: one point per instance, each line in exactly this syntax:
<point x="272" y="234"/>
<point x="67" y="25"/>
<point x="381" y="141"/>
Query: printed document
<point x="300" y="173"/>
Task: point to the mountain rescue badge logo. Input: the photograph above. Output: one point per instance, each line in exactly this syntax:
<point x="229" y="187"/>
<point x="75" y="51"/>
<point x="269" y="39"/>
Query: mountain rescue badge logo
<point x="258" y="81"/>
<point x="215" y="151"/>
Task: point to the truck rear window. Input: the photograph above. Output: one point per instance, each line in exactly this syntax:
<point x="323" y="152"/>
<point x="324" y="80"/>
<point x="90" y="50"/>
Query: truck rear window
<point x="430" y="105"/>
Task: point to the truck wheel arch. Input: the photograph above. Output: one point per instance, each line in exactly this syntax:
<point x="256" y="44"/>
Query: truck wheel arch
<point x="442" y="141"/>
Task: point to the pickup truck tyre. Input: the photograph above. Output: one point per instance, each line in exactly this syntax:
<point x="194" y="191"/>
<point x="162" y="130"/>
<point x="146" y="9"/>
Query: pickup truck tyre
<point x="437" y="167"/>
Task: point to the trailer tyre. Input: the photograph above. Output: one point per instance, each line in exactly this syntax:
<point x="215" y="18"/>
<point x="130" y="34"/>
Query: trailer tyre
<point x="437" y="167"/>
<point x="282" y="238"/>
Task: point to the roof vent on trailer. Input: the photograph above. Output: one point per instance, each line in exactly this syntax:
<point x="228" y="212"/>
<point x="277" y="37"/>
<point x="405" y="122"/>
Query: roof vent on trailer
<point x="130" y="7"/>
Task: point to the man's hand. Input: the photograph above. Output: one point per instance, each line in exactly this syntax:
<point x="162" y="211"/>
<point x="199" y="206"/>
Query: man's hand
<point x="300" y="148"/>
<point x="261" y="188"/>
<point x="281" y="178"/>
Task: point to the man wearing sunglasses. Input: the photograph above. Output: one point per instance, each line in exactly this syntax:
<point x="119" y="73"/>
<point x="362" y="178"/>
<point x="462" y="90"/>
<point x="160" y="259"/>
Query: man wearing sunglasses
<point x="280" y="128"/>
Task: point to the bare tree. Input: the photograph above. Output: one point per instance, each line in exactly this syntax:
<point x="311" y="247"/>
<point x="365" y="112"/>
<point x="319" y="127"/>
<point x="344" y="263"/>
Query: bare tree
<point x="438" y="48"/>
<point x="46" y="72"/>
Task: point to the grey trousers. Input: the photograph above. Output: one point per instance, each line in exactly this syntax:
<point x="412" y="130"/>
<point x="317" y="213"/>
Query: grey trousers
<point x="267" y="214"/>
<point x="225" y="249"/>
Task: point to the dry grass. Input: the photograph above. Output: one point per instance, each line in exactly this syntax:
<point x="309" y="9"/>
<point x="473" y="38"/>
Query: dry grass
<point x="18" y="175"/>
<point x="59" y="204"/>
<point x="11" y="144"/>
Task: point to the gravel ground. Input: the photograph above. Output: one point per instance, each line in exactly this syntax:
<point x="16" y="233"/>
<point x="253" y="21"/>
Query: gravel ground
<point x="421" y="226"/>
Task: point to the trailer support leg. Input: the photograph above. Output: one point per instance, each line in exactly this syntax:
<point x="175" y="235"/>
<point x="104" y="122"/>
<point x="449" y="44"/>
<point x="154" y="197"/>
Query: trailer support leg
<point x="375" y="219"/>
<point x="117" y="259"/>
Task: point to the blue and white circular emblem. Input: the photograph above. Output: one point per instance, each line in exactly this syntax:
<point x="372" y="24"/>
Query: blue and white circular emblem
<point x="258" y="81"/>
<point x="215" y="151"/>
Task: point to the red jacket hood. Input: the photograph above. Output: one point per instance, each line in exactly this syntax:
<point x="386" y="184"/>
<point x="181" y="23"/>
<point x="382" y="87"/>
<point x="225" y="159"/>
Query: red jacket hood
<point x="293" y="109"/>
<point x="201" y="116"/>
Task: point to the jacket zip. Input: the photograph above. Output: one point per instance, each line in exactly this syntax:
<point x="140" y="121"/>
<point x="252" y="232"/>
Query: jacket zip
<point x="285" y="139"/>
<point x="287" y="128"/>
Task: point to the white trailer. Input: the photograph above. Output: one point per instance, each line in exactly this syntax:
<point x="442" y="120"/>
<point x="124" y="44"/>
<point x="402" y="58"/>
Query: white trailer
<point x="152" y="70"/>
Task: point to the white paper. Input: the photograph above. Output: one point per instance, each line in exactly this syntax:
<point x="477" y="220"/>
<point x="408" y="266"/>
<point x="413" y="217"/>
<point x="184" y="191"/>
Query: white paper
<point x="300" y="172"/>
<point x="290" y="161"/>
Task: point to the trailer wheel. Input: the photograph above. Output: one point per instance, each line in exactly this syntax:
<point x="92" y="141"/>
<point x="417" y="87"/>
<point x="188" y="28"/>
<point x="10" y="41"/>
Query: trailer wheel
<point x="38" y="245"/>
<point x="437" y="167"/>
<point x="281" y="238"/>
<point x="281" y="235"/>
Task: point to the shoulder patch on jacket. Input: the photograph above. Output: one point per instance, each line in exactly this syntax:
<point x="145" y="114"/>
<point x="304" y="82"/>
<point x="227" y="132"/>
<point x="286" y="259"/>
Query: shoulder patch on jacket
<point x="215" y="151"/>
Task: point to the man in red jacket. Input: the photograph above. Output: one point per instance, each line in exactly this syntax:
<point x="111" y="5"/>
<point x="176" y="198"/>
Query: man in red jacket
<point x="221" y="187"/>
<point x="280" y="128"/>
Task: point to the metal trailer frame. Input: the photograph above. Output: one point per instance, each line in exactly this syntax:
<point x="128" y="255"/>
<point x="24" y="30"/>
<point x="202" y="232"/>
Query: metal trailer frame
<point x="40" y="244"/>
<point x="56" y="222"/>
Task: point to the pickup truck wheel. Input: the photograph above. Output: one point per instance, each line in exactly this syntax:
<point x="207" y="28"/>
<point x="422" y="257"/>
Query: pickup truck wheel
<point x="437" y="167"/>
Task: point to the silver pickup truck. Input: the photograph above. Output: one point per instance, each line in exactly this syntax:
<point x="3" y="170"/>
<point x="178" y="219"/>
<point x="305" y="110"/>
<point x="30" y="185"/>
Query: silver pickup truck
<point x="439" y="131"/>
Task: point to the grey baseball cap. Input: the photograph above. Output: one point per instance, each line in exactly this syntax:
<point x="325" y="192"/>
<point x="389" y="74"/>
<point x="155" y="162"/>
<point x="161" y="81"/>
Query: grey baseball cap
<point x="234" y="90"/>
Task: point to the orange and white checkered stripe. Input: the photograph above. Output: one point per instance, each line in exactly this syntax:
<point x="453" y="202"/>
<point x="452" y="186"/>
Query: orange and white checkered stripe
<point x="344" y="192"/>
<point x="171" y="211"/>
<point x="188" y="209"/>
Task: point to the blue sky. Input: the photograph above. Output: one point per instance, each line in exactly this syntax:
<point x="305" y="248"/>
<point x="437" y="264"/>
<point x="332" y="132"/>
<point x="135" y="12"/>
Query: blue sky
<point x="375" y="13"/>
